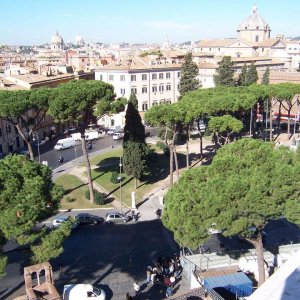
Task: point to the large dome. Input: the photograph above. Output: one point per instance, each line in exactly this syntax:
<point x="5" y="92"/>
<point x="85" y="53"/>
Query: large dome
<point x="79" y="40"/>
<point x="254" y="21"/>
<point x="57" y="39"/>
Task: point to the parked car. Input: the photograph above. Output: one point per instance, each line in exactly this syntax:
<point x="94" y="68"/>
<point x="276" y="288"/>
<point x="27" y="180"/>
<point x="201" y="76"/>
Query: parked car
<point x="116" y="217"/>
<point x="58" y="221"/>
<point x="85" y="218"/>
<point x="117" y="135"/>
<point x="110" y="131"/>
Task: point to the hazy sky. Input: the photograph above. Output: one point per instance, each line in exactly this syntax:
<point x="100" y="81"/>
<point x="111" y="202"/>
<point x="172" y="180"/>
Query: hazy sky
<point x="29" y="22"/>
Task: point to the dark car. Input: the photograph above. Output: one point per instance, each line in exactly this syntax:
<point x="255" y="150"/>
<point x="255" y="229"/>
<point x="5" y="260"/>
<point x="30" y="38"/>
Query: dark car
<point x="85" y="218"/>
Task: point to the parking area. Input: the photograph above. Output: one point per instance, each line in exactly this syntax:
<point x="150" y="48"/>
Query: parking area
<point x="110" y="256"/>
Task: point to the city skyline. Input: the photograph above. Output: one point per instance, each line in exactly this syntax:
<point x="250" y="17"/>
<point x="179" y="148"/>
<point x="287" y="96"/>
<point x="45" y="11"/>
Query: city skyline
<point x="137" y="21"/>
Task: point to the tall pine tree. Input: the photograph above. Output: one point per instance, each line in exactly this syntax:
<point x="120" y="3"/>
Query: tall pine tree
<point x="134" y="144"/>
<point x="266" y="77"/>
<point x="251" y="76"/>
<point x="242" y="76"/>
<point x="225" y="72"/>
<point x="189" y="72"/>
<point x="133" y="99"/>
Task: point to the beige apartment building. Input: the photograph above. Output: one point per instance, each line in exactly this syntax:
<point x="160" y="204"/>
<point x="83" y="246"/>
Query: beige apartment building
<point x="153" y="80"/>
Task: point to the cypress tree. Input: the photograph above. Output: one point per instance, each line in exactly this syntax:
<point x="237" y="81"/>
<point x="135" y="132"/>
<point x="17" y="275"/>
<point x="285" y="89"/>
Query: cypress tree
<point x="189" y="72"/>
<point x="225" y="72"/>
<point x="266" y="77"/>
<point x="251" y="76"/>
<point x="242" y="76"/>
<point x="134" y="144"/>
<point x="133" y="99"/>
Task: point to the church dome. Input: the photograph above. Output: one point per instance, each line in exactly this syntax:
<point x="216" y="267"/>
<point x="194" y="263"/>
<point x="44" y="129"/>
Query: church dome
<point x="57" y="39"/>
<point x="254" y="21"/>
<point x="79" y="40"/>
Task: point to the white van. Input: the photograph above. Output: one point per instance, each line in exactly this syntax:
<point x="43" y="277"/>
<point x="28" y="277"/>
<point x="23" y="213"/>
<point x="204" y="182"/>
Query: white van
<point x="82" y="292"/>
<point x="64" y="143"/>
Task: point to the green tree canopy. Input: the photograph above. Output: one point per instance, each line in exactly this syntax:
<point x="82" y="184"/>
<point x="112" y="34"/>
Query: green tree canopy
<point x="225" y="72"/>
<point x="27" y="195"/>
<point x="76" y="101"/>
<point x="189" y="72"/>
<point x="248" y="183"/>
<point x="25" y="110"/>
<point x="224" y="127"/>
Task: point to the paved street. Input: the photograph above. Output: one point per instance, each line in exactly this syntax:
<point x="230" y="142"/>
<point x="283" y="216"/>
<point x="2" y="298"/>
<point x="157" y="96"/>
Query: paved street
<point x="47" y="153"/>
<point x="111" y="256"/>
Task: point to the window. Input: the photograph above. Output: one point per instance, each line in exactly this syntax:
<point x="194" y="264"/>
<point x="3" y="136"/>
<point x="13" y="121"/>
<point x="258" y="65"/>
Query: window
<point x="161" y="75"/>
<point x="0" y="132"/>
<point x="256" y="38"/>
<point x="145" y="106"/>
<point x="134" y="91"/>
<point x="168" y="87"/>
<point x="101" y="77"/>
<point x="155" y="103"/>
<point x="144" y="76"/>
<point x="209" y="49"/>
<point x="178" y="74"/>
<point x="8" y="128"/>
<point x="178" y="86"/>
<point x="262" y="49"/>
<point x="219" y="49"/>
<point x="133" y="77"/>
<point x="82" y="60"/>
<point x="162" y="101"/>
<point x="122" y="77"/>
<point x="161" y="88"/>
<point x="257" y="27"/>
<point x="111" y="77"/>
<point x="154" y="76"/>
<point x="154" y="89"/>
<point x="144" y="90"/>
<point x="122" y="91"/>
<point x="168" y="75"/>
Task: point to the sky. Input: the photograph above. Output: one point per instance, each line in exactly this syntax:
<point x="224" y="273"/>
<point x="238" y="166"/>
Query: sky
<point x="33" y="22"/>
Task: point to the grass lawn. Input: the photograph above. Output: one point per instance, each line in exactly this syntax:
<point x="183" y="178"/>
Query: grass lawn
<point x="75" y="189"/>
<point x="109" y="162"/>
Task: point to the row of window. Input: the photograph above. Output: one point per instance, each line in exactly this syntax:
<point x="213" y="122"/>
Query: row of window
<point x="154" y="76"/>
<point x="155" y="88"/>
<point x="145" y="104"/>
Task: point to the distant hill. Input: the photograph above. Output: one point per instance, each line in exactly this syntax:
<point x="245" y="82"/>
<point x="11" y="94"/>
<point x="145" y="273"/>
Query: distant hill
<point x="297" y="38"/>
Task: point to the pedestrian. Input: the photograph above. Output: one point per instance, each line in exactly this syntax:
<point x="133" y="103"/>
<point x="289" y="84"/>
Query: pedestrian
<point x="132" y="214"/>
<point x="153" y="276"/>
<point x="60" y="265"/>
<point x="128" y="296"/>
<point x="148" y="274"/>
<point x="169" y="291"/>
<point x="158" y="213"/>
<point x="136" y="288"/>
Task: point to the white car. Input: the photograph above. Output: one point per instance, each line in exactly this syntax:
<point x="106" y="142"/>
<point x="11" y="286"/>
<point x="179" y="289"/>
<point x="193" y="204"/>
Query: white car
<point x="58" y="221"/>
<point x="117" y="135"/>
<point x="116" y="217"/>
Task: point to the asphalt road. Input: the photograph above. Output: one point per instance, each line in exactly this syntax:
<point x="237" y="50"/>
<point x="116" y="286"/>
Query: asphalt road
<point x="110" y="256"/>
<point x="47" y="152"/>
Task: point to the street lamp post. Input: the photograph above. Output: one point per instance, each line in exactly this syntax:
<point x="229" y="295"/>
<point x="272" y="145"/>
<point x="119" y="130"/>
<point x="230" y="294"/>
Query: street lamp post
<point x="120" y="180"/>
<point x="38" y="141"/>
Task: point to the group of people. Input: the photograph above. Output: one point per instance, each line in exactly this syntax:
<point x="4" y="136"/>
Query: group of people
<point x="165" y="272"/>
